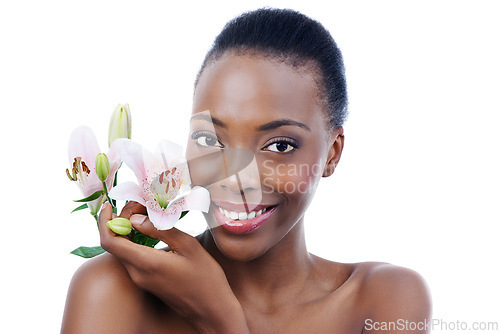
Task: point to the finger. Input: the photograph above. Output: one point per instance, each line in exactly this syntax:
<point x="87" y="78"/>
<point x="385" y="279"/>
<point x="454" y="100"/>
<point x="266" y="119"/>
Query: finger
<point x="139" y="258"/>
<point x="107" y="236"/>
<point x="120" y="246"/>
<point x="132" y="208"/>
<point x="105" y="215"/>
<point x="177" y="240"/>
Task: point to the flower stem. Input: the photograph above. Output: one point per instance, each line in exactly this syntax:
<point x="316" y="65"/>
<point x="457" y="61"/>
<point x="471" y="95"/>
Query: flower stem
<point x="107" y="196"/>
<point x="115" y="182"/>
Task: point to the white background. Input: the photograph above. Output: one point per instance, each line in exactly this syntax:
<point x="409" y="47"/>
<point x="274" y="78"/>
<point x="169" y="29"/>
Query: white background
<point x="417" y="186"/>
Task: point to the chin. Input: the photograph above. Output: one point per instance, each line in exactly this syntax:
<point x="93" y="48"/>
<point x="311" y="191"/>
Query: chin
<point x="242" y="249"/>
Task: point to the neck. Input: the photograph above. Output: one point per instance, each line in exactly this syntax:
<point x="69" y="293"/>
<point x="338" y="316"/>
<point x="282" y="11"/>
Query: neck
<point x="283" y="268"/>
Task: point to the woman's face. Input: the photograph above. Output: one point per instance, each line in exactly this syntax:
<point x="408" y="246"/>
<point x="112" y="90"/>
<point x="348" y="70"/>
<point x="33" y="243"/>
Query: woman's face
<point x="271" y="111"/>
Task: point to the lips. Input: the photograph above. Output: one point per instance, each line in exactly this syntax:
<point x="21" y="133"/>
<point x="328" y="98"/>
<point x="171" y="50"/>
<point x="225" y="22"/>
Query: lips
<point x="235" y="218"/>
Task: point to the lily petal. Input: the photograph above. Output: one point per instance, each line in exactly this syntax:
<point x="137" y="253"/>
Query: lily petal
<point x="185" y="186"/>
<point x="83" y="143"/>
<point x="170" y="153"/>
<point x="114" y="150"/>
<point x="95" y="205"/>
<point x="115" y="160"/>
<point x="163" y="220"/>
<point x="197" y="199"/>
<point x="142" y="162"/>
<point x="92" y="185"/>
<point x="127" y="191"/>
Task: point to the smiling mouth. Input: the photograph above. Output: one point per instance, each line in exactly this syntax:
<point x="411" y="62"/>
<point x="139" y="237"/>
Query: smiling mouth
<point x="235" y="218"/>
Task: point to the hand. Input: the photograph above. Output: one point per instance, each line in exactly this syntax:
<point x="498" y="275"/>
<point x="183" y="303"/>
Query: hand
<point x="186" y="277"/>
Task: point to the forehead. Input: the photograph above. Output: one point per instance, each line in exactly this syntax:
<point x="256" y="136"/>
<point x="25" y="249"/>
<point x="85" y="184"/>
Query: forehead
<point x="249" y="86"/>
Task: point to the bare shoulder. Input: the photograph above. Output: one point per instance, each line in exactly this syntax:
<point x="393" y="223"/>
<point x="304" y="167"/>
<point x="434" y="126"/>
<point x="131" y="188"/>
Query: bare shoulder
<point x="393" y="283"/>
<point x="393" y="295"/>
<point x="101" y="295"/>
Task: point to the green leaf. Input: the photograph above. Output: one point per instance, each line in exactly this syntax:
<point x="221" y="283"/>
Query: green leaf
<point x="88" y="252"/>
<point x="92" y="197"/>
<point x="81" y="207"/>
<point x="183" y="214"/>
<point x="142" y="239"/>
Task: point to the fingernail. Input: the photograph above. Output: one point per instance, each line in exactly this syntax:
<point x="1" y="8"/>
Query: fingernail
<point x="137" y="219"/>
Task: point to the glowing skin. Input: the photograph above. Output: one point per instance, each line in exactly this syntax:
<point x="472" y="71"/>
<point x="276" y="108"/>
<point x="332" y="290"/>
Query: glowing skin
<point x="274" y="111"/>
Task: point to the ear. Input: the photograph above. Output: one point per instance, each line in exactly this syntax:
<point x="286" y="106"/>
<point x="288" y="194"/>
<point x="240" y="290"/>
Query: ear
<point x="335" y="151"/>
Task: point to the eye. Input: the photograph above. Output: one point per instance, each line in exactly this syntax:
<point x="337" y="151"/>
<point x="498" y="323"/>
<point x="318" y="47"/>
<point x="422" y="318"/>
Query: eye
<point x="205" y="139"/>
<point x="282" y="145"/>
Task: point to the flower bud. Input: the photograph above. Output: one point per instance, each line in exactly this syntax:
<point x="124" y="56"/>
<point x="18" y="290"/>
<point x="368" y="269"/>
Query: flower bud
<point x="120" y="125"/>
<point x="102" y="166"/>
<point x="121" y="226"/>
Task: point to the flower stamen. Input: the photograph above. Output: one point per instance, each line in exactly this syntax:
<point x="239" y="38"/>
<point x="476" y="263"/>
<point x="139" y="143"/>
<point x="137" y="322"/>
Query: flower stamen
<point x="79" y="171"/>
<point x="163" y="195"/>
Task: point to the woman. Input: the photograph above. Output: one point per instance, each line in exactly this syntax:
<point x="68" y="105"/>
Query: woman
<point x="273" y="84"/>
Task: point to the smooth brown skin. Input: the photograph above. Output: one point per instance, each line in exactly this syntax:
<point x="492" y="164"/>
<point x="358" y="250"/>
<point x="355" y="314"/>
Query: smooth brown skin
<point x="261" y="282"/>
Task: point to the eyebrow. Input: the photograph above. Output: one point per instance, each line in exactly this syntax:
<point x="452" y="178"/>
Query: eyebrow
<point x="209" y="119"/>
<point x="282" y="122"/>
<point x="264" y="127"/>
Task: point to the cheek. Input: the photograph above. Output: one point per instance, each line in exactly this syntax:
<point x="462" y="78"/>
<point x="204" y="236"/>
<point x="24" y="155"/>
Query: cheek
<point x="198" y="178"/>
<point x="293" y="180"/>
<point x="205" y="166"/>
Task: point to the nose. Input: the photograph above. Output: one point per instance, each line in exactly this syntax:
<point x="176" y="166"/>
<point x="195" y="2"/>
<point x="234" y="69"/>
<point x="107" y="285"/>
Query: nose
<point x="243" y="186"/>
<point x="211" y="168"/>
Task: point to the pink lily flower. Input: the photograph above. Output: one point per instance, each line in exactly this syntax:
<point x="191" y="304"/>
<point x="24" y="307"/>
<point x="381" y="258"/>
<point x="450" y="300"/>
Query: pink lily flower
<point x="82" y="151"/>
<point x="163" y="183"/>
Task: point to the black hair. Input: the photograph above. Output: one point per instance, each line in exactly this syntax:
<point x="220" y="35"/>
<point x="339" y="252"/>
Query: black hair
<point x="297" y="40"/>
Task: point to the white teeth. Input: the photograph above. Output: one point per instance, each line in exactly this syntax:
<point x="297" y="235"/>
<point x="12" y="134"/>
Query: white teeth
<point x="241" y="215"/>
